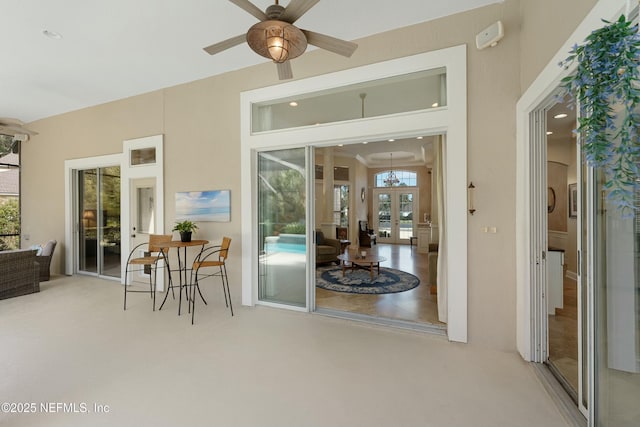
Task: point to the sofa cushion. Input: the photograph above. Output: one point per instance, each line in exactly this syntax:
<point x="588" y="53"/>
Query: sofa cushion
<point x="325" y="250"/>
<point x="47" y="248"/>
<point x="319" y="238"/>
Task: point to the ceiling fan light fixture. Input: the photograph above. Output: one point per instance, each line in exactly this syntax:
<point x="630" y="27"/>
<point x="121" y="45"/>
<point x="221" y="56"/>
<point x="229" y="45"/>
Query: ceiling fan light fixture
<point x="277" y="44"/>
<point x="276" y="40"/>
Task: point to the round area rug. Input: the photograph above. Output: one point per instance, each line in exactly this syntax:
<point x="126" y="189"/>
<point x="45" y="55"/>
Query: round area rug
<point x="359" y="281"/>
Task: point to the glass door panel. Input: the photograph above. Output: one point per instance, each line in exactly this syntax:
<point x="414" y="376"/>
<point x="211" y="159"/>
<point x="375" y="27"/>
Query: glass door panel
<point x="616" y="240"/>
<point x="282" y="230"/>
<point x="405" y="217"/>
<point x="99" y="221"/>
<point x="109" y="230"/>
<point x="383" y="223"/>
<point x="88" y="220"/>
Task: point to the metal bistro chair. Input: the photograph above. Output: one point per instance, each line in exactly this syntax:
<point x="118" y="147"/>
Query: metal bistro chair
<point x="213" y="256"/>
<point x="155" y="253"/>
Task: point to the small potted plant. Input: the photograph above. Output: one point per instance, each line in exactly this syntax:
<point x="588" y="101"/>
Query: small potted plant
<point x="185" y="228"/>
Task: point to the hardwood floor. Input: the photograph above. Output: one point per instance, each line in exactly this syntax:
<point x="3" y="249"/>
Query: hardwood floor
<point x="563" y="335"/>
<point x="416" y="305"/>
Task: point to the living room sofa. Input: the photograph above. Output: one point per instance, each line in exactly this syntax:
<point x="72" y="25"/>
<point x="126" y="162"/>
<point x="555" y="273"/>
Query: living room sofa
<point x="19" y="273"/>
<point x="327" y="250"/>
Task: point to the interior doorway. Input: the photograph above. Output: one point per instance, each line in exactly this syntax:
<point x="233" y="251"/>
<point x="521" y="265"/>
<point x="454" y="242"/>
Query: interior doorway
<point x="392" y="211"/>
<point x="560" y="303"/>
<point x="562" y="231"/>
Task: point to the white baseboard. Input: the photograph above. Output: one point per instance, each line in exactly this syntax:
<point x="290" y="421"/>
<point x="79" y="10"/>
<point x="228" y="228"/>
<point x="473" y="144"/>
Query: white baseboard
<point x="572" y="275"/>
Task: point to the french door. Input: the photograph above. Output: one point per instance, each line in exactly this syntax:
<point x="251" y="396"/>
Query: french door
<point x="394" y="210"/>
<point x="98" y="219"/>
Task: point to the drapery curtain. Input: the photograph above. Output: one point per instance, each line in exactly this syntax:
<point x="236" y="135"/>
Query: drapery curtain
<point x="262" y="119"/>
<point x="442" y="280"/>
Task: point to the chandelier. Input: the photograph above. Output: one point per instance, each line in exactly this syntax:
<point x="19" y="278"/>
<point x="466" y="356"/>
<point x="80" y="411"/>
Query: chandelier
<point x="391" y="178"/>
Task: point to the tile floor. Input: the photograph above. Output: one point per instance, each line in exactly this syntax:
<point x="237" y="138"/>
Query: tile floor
<point x="72" y="343"/>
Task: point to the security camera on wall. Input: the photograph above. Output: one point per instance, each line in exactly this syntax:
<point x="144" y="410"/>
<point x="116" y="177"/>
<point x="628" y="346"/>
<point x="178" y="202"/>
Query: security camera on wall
<point x="490" y="36"/>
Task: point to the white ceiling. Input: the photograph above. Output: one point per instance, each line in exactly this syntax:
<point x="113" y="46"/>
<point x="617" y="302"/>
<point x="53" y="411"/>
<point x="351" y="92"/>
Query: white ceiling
<point x="118" y="48"/>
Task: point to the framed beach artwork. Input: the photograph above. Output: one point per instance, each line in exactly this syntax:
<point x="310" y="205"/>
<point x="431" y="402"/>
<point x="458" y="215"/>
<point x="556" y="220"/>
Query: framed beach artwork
<point x="204" y="206"/>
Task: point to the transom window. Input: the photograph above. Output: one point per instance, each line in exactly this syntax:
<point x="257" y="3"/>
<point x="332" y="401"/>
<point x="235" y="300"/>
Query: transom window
<point x="405" y="178"/>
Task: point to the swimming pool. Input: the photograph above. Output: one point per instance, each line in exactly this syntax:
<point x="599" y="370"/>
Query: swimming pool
<point x="273" y="247"/>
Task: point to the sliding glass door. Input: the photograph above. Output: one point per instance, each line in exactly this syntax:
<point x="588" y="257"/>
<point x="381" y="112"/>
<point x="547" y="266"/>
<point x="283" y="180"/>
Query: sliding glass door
<point x="282" y="245"/>
<point x="616" y="317"/>
<point x="98" y="213"/>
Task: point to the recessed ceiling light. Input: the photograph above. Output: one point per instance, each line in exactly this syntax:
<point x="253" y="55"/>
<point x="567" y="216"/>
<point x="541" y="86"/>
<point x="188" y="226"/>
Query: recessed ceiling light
<point x="435" y="104"/>
<point x="52" y="34"/>
<point x="293" y="104"/>
<point x="340" y="145"/>
<point x="420" y="137"/>
<point x="549" y="132"/>
<point x="365" y="142"/>
<point x="560" y="116"/>
<point x="391" y="140"/>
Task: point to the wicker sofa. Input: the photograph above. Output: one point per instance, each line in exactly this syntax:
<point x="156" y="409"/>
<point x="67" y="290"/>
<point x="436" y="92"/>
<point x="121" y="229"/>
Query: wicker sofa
<point x="44" y="259"/>
<point x="19" y="273"/>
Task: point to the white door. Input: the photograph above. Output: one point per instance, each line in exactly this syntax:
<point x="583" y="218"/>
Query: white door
<point x="144" y="205"/>
<point x="394" y="211"/>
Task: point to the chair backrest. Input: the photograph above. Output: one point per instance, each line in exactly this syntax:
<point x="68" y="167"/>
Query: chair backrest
<point x="48" y="248"/>
<point x="224" y="248"/>
<point x="156" y="242"/>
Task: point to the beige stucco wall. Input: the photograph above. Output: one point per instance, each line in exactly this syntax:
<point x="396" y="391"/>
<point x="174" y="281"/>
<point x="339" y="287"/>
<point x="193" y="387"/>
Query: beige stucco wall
<point x="201" y="124"/>
<point x="546" y="25"/>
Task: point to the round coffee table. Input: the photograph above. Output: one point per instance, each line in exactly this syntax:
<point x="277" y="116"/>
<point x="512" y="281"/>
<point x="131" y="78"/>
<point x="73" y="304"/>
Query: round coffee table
<point x="367" y="262"/>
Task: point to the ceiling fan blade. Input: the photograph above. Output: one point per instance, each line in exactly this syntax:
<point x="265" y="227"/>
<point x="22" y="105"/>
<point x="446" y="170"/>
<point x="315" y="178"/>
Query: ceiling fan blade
<point x="226" y="44"/>
<point x="251" y="8"/>
<point x="296" y="9"/>
<point x="13" y="130"/>
<point x="284" y="70"/>
<point x="332" y="44"/>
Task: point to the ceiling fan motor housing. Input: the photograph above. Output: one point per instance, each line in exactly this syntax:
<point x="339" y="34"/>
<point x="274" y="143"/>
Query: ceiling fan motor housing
<point x="274" y="11"/>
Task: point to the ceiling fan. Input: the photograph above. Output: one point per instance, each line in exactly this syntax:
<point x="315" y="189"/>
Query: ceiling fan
<point x="15" y="128"/>
<point x="275" y="37"/>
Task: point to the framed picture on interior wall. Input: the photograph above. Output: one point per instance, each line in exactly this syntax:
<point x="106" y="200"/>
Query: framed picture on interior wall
<point x="573" y="200"/>
<point x="204" y="206"/>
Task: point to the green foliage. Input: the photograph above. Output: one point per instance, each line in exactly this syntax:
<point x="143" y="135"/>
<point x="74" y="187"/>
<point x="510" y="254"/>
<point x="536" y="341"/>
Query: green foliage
<point x="185" y="227"/>
<point x="6" y="143"/>
<point x="606" y="86"/>
<point x="9" y="223"/>
<point x="294" y="228"/>
<point x="283" y="201"/>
